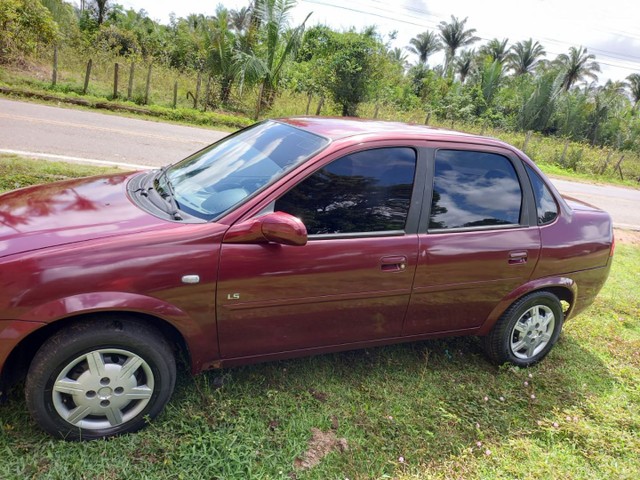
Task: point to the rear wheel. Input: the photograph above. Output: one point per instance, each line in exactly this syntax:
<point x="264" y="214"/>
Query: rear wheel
<point x="527" y="331"/>
<point x="100" y="378"/>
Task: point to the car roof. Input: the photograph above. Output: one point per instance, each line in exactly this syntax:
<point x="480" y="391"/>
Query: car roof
<point x="335" y="128"/>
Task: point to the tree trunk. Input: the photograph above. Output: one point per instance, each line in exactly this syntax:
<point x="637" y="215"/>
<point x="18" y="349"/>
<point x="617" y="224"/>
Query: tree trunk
<point x="527" y="138"/>
<point x="259" y="103"/>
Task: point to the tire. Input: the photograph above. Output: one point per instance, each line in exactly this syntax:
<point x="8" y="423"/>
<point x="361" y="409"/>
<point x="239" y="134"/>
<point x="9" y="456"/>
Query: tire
<point x="527" y="330"/>
<point x="100" y="378"/>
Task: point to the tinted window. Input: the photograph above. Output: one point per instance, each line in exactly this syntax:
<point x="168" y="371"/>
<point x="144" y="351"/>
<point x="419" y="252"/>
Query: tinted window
<point x="364" y="192"/>
<point x="474" y="189"/>
<point x="545" y="204"/>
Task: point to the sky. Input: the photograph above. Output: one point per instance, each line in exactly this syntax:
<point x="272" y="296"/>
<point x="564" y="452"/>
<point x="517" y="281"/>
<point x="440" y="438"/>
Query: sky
<point x="609" y="29"/>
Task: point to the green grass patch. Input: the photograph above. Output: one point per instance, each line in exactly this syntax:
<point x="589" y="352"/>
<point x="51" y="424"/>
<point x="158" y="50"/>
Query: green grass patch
<point x="19" y="172"/>
<point x="433" y="409"/>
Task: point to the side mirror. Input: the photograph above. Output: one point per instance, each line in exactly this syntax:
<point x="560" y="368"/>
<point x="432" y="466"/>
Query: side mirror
<point x="277" y="227"/>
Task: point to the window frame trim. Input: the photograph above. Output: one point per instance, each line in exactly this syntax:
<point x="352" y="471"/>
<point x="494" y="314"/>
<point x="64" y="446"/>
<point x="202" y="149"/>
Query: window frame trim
<point x="415" y="203"/>
<point x="528" y="212"/>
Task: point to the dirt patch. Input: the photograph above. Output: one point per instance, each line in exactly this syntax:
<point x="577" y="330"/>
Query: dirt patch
<point x="320" y="445"/>
<point x="630" y="237"/>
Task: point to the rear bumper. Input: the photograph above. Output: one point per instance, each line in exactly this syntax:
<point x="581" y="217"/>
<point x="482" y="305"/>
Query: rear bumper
<point x="12" y="332"/>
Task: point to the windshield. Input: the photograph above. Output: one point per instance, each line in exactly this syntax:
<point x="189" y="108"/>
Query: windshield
<point x="213" y="180"/>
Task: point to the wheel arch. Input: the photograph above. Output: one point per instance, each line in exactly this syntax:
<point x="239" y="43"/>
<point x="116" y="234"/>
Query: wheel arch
<point x="18" y="361"/>
<point x="564" y="288"/>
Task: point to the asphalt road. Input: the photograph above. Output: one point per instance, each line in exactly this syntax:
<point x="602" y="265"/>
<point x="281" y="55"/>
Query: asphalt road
<point x="79" y="135"/>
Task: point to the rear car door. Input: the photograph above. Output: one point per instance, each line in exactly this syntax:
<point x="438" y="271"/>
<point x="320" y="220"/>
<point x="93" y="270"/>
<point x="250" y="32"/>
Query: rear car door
<point x="479" y="239"/>
<point x="351" y="282"/>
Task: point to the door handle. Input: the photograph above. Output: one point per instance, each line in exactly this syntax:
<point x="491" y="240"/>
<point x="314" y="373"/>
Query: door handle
<point x="518" y="257"/>
<point x="393" y="264"/>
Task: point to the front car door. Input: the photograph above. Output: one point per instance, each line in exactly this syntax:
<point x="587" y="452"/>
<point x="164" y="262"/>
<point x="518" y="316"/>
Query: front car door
<point x="480" y="239"/>
<point x="351" y="282"/>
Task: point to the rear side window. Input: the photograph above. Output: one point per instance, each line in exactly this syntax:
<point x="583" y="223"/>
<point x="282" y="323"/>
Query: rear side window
<point x="545" y="204"/>
<point x="363" y="192"/>
<point x="474" y="189"/>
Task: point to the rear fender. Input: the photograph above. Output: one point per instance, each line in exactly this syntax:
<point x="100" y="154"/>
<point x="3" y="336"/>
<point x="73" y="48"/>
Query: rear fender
<point x="532" y="286"/>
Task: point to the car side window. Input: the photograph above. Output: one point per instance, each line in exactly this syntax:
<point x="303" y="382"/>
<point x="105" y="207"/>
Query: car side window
<point x="545" y="204"/>
<point x="368" y="191"/>
<point x="474" y="189"/>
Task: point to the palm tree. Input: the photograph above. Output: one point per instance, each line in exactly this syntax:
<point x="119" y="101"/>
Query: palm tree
<point x="240" y="19"/>
<point x="424" y="44"/>
<point x="279" y="43"/>
<point x="221" y="48"/>
<point x="578" y="65"/>
<point x="525" y="56"/>
<point x="634" y="87"/>
<point x="465" y="64"/>
<point x="454" y="36"/>
<point x="496" y="50"/>
<point x="398" y="56"/>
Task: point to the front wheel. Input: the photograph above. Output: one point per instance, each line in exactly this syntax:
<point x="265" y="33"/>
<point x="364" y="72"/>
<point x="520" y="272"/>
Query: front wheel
<point x="100" y="378"/>
<point x="527" y="330"/>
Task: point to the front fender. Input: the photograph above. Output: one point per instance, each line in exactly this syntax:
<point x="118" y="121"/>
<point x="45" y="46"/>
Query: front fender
<point x="531" y="286"/>
<point x="200" y="340"/>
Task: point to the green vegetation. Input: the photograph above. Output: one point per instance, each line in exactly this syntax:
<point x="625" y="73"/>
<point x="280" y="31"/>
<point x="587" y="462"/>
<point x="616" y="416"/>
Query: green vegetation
<point x="233" y="66"/>
<point x="19" y="172"/>
<point x="432" y="409"/>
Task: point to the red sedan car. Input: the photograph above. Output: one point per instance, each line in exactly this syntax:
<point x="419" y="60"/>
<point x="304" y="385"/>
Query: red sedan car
<point x="291" y="237"/>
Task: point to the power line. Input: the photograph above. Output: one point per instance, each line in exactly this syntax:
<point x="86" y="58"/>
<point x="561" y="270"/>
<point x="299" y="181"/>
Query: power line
<point x="610" y="55"/>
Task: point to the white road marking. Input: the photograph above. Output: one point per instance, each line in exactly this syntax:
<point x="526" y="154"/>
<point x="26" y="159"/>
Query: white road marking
<point x="66" y="158"/>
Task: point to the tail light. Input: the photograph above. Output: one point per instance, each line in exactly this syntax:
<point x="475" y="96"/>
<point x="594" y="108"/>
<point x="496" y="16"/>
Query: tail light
<point x="613" y="245"/>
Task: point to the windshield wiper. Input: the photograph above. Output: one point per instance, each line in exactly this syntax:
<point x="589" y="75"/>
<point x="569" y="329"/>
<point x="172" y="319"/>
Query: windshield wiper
<point x="168" y="194"/>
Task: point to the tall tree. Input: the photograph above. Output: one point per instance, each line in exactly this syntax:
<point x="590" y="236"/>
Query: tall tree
<point x="465" y="64"/>
<point x="577" y="66"/>
<point x="496" y="50"/>
<point x="454" y="36"/>
<point x="221" y="47"/>
<point x="634" y="88"/>
<point x="279" y="42"/>
<point x="424" y="45"/>
<point x="525" y="56"/>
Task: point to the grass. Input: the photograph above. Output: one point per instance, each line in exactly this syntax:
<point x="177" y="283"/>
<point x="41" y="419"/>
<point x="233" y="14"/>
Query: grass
<point x="576" y="415"/>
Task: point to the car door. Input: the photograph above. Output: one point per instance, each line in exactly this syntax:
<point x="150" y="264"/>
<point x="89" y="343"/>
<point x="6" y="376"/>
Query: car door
<point x="351" y="282"/>
<point x="479" y="238"/>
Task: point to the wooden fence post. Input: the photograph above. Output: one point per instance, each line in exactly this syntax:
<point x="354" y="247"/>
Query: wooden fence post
<point x="197" y="95"/>
<point x="132" y="70"/>
<point x="320" y="105"/>
<point x="619" y="167"/>
<point x="527" y="138"/>
<point x="309" y="97"/>
<point x="148" y="87"/>
<point x="207" y="91"/>
<point x="427" y="118"/>
<point x="54" y="75"/>
<point x="87" y="75"/>
<point x="375" y="112"/>
<point x="116" y="73"/>
<point x="175" y="94"/>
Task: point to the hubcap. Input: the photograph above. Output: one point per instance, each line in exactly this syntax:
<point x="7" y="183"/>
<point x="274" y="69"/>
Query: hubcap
<point x="103" y="388"/>
<point x="532" y="332"/>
